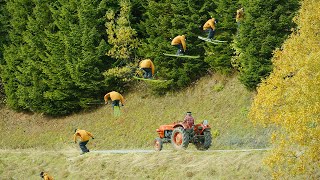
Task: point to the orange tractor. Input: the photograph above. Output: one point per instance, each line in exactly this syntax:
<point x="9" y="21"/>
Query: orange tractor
<point x="180" y="134"/>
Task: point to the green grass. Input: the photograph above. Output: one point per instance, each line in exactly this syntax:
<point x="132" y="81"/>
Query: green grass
<point x="226" y="110"/>
<point x="27" y="164"/>
<point x="32" y="143"/>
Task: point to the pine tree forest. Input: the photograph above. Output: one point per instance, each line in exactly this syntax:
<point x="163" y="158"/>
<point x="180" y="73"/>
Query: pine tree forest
<point x="56" y="56"/>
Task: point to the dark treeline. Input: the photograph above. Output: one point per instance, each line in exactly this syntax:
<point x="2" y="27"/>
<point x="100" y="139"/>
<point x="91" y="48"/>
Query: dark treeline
<point x="56" y="56"/>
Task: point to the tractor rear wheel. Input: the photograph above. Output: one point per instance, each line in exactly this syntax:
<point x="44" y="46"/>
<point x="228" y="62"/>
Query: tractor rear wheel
<point x="158" y="144"/>
<point x="179" y="138"/>
<point x="204" y="142"/>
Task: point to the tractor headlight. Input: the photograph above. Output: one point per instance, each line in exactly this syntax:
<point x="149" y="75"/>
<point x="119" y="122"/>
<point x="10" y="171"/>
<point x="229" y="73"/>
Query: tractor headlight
<point x="205" y="122"/>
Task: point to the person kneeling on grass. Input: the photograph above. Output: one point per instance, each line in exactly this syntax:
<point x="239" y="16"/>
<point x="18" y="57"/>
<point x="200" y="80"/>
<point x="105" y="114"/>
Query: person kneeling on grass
<point x="84" y="136"/>
<point x="45" y="176"/>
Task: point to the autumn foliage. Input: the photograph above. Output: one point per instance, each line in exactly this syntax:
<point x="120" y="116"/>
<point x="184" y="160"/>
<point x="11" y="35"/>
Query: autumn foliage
<point x="290" y="100"/>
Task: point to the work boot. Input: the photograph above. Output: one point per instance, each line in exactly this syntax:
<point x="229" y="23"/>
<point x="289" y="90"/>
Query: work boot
<point x="180" y="52"/>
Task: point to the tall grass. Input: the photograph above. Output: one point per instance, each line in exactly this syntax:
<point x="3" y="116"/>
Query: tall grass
<point x="223" y="101"/>
<point x="27" y="164"/>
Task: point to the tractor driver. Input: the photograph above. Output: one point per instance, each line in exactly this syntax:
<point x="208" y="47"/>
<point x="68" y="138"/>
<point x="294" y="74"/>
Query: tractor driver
<point x="188" y="119"/>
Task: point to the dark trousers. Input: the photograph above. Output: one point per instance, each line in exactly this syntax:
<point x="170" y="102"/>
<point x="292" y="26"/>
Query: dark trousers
<point x="115" y="103"/>
<point x="83" y="146"/>
<point x="147" y="73"/>
<point x="180" y="50"/>
<point x="210" y="33"/>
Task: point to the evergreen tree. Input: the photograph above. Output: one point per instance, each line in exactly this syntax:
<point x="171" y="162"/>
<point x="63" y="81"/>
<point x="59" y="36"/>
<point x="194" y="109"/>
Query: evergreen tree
<point x="265" y="26"/>
<point x="219" y="55"/>
<point x="163" y="21"/>
<point x="14" y="53"/>
<point x="54" y="62"/>
<point x="120" y="34"/>
<point x="75" y="50"/>
<point x="4" y="24"/>
<point x="4" y="40"/>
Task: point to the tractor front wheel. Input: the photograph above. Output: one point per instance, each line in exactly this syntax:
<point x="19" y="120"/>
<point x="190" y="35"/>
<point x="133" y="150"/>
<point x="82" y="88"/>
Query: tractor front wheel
<point x="158" y="144"/>
<point x="179" y="138"/>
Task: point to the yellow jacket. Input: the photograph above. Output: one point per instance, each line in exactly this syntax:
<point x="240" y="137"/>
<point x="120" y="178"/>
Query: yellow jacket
<point x="147" y="63"/>
<point x="46" y="176"/>
<point x="240" y="15"/>
<point x="180" y="40"/>
<point x="83" y="134"/>
<point x="114" y="96"/>
<point x="210" y="24"/>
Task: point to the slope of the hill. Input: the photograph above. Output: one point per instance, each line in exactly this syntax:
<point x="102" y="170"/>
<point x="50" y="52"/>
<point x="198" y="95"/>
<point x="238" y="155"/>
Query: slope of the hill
<point x="224" y="102"/>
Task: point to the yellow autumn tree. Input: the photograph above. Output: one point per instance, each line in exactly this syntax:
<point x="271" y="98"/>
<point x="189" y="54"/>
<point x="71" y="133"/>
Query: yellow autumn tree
<point x="121" y="35"/>
<point x="289" y="99"/>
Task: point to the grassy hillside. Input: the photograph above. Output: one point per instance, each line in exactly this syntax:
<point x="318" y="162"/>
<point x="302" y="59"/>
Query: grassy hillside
<point x="32" y="143"/>
<point x="27" y="164"/>
<point x="223" y="101"/>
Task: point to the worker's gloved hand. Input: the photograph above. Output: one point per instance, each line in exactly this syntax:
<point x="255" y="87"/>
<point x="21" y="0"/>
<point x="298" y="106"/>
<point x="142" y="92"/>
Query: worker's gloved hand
<point x="122" y="105"/>
<point x="105" y="102"/>
<point x="92" y="137"/>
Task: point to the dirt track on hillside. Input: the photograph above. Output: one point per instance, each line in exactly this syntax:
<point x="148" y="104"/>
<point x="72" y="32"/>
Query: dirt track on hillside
<point x="128" y="151"/>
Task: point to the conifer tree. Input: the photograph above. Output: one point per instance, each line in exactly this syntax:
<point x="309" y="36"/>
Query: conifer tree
<point x="4" y="40"/>
<point x="163" y="21"/>
<point x="4" y="24"/>
<point x="54" y="61"/>
<point x="75" y="53"/>
<point x="265" y="26"/>
<point x="14" y="53"/>
<point x="121" y="35"/>
<point x="218" y="56"/>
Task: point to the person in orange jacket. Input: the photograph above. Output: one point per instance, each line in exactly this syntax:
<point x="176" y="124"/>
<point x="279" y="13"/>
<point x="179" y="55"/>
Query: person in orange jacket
<point x="115" y="97"/>
<point x="148" y="68"/>
<point x="239" y="16"/>
<point x="180" y="43"/>
<point x="210" y="27"/>
<point x="46" y="176"/>
<point x="84" y="137"/>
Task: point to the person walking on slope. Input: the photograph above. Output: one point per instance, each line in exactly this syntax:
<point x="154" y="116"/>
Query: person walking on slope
<point x="115" y="97"/>
<point x="180" y="43"/>
<point x="188" y="119"/>
<point x="148" y="68"/>
<point x="84" y="137"/>
<point x="210" y="27"/>
<point x="45" y="176"/>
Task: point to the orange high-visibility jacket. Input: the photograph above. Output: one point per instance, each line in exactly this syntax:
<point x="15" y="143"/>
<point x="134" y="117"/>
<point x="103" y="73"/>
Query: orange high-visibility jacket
<point x="180" y="40"/>
<point x="83" y="134"/>
<point x="210" y="24"/>
<point x="147" y="63"/>
<point x="46" y="176"/>
<point x="240" y="15"/>
<point x="114" y="96"/>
